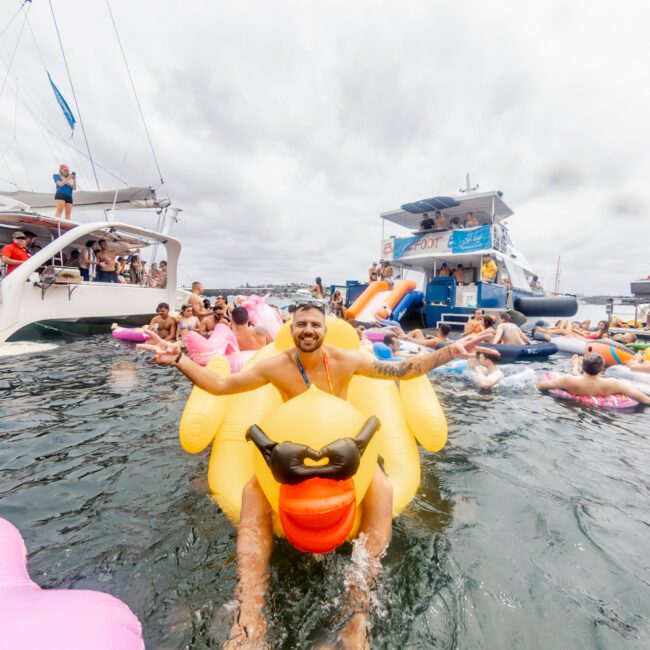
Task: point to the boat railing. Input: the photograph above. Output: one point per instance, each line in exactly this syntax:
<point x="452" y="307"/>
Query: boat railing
<point x="500" y="238"/>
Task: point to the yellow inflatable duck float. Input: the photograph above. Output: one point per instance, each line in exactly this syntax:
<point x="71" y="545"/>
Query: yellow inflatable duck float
<point x="314" y="455"/>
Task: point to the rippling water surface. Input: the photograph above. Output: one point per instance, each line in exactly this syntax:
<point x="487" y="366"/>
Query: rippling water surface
<point x="531" y="528"/>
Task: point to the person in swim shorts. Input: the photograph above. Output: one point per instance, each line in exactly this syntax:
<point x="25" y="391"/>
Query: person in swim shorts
<point x="292" y="372"/>
<point x="66" y="183"/>
<point x="591" y="383"/>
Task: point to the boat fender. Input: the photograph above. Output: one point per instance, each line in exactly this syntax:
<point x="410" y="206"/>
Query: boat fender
<point x="546" y="306"/>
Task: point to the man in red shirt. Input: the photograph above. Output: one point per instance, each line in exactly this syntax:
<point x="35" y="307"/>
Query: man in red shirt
<point x="13" y="255"/>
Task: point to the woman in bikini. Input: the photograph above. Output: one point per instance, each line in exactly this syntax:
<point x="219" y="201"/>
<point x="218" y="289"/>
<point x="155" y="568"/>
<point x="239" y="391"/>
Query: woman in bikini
<point x="186" y="324"/>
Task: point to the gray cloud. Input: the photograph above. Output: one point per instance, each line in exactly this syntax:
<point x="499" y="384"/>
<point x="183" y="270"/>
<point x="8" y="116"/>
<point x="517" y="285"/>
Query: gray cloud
<point x="283" y="129"/>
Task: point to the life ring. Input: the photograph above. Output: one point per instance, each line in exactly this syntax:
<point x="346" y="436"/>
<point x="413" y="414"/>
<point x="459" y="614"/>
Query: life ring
<point x="314" y="419"/>
<point x="514" y="380"/>
<point x="70" y="619"/>
<point x="617" y="401"/>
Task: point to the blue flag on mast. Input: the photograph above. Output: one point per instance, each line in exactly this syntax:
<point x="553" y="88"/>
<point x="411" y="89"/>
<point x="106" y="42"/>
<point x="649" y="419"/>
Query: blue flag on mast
<point x="67" y="113"/>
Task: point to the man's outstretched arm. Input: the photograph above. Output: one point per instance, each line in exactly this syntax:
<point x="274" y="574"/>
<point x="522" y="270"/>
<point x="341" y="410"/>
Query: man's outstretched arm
<point x="418" y="364"/>
<point x="167" y="353"/>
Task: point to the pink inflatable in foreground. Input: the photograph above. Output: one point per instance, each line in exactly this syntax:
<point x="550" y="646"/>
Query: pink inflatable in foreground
<point x="223" y="342"/>
<point x="57" y="619"/>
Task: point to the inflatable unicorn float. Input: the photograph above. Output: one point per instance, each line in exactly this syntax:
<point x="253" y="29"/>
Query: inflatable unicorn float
<point x="223" y="342"/>
<point x="57" y="619"/>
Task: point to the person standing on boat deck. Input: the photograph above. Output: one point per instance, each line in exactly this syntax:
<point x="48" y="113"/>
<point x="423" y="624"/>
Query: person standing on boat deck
<point x="88" y="262"/>
<point x="427" y="223"/>
<point x="106" y="263"/>
<point x="470" y="220"/>
<point x="444" y="271"/>
<point x="65" y="182"/>
<point x="455" y="224"/>
<point x="372" y="272"/>
<point x="196" y="303"/>
<point x="387" y="273"/>
<point x="440" y="222"/>
<point x="459" y="274"/>
<point x="14" y="254"/>
<point x="488" y="269"/>
<point x="318" y="291"/>
<point x="292" y="372"/>
<point x="30" y="242"/>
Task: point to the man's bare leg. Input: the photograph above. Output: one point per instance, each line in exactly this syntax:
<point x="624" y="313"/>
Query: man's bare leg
<point x="375" y="532"/>
<point x="254" y="544"/>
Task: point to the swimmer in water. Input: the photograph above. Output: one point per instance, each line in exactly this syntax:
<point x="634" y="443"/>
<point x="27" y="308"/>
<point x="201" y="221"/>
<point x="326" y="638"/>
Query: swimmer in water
<point x="488" y="373"/>
<point x="591" y="383"/>
<point x="249" y="337"/>
<point x="186" y="323"/>
<point x="508" y="333"/>
<point x="163" y="324"/>
<point x="292" y="372"/>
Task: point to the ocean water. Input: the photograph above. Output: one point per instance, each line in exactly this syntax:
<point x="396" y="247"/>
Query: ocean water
<point x="530" y="529"/>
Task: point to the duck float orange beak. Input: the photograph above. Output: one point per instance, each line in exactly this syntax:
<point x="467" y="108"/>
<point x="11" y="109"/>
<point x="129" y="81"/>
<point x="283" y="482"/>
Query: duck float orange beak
<point x="317" y="502"/>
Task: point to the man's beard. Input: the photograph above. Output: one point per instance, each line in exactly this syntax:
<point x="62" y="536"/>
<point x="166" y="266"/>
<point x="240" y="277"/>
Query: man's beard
<point x="307" y="345"/>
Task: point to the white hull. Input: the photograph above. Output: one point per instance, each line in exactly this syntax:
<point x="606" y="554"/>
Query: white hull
<point x="24" y="299"/>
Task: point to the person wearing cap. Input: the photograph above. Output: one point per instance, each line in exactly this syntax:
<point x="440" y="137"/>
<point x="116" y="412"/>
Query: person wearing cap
<point x="65" y="182"/>
<point x="14" y="254"/>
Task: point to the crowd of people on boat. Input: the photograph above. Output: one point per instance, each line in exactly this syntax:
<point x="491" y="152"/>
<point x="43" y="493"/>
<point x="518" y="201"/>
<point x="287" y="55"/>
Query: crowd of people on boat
<point x="381" y="270"/>
<point x="441" y="221"/>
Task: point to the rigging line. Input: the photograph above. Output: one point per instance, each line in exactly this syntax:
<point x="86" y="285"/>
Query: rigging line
<point x="135" y="93"/>
<point x="6" y="27"/>
<point x="30" y="104"/>
<point x="20" y="153"/>
<point x="38" y="47"/>
<point x="11" y="61"/>
<point x="74" y="95"/>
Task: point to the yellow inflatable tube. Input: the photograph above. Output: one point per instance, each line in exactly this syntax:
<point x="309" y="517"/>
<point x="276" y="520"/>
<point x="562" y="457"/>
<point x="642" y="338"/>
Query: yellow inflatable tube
<point x="406" y="413"/>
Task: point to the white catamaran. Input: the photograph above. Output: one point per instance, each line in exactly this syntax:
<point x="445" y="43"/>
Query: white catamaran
<point x="44" y="292"/>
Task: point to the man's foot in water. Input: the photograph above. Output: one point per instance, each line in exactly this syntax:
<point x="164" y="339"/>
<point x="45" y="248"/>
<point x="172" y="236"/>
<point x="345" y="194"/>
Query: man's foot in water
<point x="354" y="635"/>
<point x="248" y="637"/>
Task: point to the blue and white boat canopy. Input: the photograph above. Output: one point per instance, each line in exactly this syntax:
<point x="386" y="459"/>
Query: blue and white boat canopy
<point x="488" y="207"/>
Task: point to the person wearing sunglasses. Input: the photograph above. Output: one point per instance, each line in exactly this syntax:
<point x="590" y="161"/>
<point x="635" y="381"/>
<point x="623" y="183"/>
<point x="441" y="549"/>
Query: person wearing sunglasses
<point x="14" y="254"/>
<point x="292" y="372"/>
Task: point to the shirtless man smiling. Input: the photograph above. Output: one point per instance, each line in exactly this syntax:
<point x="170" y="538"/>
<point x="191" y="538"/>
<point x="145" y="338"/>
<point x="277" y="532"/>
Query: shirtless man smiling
<point x="292" y="372"/>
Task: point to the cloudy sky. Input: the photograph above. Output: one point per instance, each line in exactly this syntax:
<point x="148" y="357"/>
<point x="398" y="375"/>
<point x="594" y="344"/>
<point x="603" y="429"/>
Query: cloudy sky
<point x="284" y="128"/>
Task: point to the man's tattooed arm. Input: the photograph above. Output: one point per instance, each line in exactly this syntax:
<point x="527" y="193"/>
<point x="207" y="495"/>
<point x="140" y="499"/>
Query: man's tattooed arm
<point x="412" y="367"/>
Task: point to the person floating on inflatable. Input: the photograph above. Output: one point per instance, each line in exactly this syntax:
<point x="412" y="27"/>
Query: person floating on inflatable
<point x="290" y="477"/>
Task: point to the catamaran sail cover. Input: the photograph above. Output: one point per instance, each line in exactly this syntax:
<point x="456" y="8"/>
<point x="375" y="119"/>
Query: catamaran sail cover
<point x="128" y="198"/>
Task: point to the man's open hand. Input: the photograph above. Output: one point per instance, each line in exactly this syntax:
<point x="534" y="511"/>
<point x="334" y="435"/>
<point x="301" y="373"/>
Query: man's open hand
<point x="164" y="351"/>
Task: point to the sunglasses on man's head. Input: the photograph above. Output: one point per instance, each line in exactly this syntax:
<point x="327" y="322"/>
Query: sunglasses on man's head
<point x="317" y="304"/>
<point x="20" y="237"/>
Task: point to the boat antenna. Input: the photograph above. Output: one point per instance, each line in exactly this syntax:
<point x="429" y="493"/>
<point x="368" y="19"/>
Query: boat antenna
<point x="135" y="94"/>
<point x="74" y="95"/>
<point x="557" y="276"/>
<point x="468" y="186"/>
